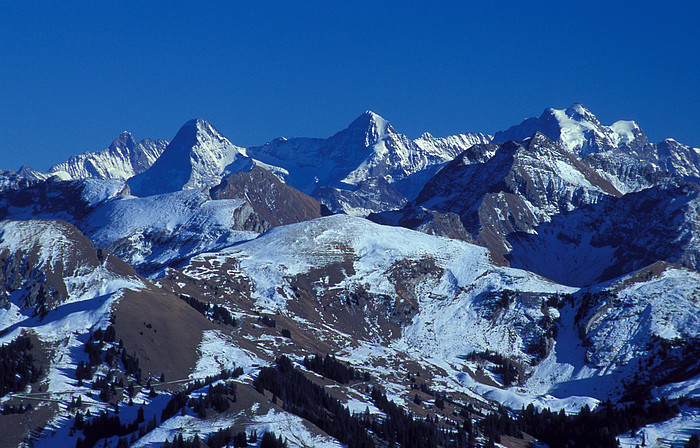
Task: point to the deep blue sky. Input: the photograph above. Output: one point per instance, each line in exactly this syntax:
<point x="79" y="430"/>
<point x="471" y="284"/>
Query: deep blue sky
<point x="73" y="75"/>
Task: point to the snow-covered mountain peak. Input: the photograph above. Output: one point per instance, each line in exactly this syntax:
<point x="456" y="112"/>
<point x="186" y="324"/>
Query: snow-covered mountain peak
<point x="579" y="112"/>
<point x="124" y="140"/>
<point x="626" y="132"/>
<point x="198" y="157"/>
<point x="124" y="158"/>
<point x="371" y="126"/>
<point x="577" y="130"/>
<point x="199" y="130"/>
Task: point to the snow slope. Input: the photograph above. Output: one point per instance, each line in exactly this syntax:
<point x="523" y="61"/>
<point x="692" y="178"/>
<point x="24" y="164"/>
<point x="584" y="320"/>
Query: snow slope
<point x="454" y="286"/>
<point x="642" y="327"/>
<point x="155" y="231"/>
<point x="577" y="130"/>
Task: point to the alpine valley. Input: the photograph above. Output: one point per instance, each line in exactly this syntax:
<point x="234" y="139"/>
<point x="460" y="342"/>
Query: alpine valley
<point x="536" y="287"/>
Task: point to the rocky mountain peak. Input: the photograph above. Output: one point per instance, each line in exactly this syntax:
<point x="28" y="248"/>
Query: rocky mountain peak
<point x="197" y="157"/>
<point x="125" y="140"/>
<point x="272" y="200"/>
<point x="196" y="130"/>
<point x="369" y="127"/>
<point x="579" y="112"/>
<point x="538" y="140"/>
<point x="576" y="130"/>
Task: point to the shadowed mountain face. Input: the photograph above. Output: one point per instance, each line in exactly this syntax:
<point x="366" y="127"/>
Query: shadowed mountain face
<point x="614" y="237"/>
<point x="500" y="190"/>
<point x="539" y="208"/>
<point x="272" y="200"/>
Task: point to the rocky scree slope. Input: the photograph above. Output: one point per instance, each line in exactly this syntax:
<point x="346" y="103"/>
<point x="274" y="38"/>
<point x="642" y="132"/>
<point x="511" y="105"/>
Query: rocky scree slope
<point x="501" y="190"/>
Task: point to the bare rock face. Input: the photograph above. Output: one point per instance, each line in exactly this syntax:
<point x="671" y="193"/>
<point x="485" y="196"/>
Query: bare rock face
<point x="427" y="221"/>
<point x="514" y="190"/>
<point x="621" y="152"/>
<point x="274" y="202"/>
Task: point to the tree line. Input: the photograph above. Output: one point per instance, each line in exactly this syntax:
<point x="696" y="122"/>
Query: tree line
<point x="588" y="428"/>
<point x="338" y="371"/>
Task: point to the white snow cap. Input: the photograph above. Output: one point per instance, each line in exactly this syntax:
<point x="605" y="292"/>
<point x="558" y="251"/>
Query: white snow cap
<point x="374" y="126"/>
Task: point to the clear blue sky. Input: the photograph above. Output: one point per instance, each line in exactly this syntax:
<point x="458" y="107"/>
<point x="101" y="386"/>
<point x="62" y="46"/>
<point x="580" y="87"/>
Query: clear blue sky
<point x="73" y="75"/>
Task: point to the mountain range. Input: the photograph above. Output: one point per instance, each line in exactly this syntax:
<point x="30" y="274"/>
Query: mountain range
<point x="468" y="290"/>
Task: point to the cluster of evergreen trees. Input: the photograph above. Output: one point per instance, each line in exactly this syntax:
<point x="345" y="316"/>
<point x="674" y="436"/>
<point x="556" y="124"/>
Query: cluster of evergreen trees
<point x="107" y="385"/>
<point x="17" y="368"/>
<point x="216" y="313"/>
<point x="504" y="366"/>
<point x="330" y="367"/>
<point x="219" y="397"/>
<point x="499" y="423"/>
<point x="588" y="428"/>
<point x="228" y="436"/>
<point x="399" y="428"/>
<point x="593" y="428"/>
<point x="101" y="347"/>
<point x="270" y="441"/>
<point x="403" y="429"/>
<point x="180" y="399"/>
<point x="308" y="400"/>
<point x="225" y="437"/>
<point x="180" y="442"/>
<point x="106" y="425"/>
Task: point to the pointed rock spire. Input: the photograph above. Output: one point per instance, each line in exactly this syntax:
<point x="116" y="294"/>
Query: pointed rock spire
<point x="370" y="127"/>
<point x="197" y="157"/>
